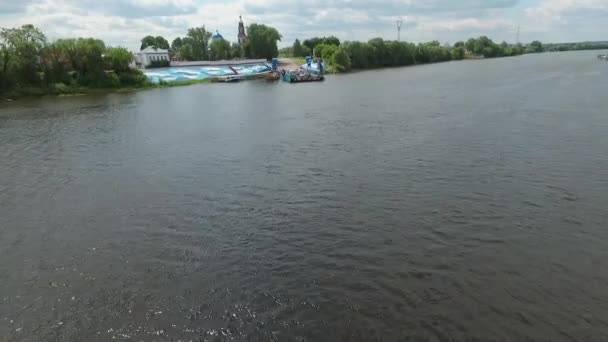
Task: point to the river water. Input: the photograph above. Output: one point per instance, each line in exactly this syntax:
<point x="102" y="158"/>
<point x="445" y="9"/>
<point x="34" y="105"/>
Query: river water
<point x="464" y="201"/>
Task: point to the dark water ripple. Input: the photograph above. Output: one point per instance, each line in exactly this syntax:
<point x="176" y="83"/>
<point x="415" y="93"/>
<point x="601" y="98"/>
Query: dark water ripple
<point x="460" y="201"/>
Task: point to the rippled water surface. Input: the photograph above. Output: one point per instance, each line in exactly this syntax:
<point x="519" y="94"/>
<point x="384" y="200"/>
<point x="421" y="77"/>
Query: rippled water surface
<point x="463" y="201"/>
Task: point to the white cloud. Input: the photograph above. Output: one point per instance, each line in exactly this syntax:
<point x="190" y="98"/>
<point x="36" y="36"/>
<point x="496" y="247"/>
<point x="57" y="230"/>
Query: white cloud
<point x="125" y="22"/>
<point x="567" y="20"/>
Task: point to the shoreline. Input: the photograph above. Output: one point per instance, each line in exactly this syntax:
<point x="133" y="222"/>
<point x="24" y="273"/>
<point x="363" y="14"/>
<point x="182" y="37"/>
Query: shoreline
<point x="287" y="63"/>
<point x="32" y="93"/>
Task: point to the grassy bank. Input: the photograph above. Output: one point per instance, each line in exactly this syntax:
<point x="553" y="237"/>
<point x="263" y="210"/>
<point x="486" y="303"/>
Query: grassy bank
<point x="67" y="90"/>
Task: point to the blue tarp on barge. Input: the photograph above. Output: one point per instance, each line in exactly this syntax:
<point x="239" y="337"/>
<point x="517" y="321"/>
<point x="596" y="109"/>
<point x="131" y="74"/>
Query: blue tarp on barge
<point x="200" y="73"/>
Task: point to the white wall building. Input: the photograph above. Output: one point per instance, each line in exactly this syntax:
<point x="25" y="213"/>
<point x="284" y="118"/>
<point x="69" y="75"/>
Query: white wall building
<point x="145" y="57"/>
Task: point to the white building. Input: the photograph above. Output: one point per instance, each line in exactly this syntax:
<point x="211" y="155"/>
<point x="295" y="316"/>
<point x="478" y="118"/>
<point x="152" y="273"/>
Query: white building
<point x="146" y="56"/>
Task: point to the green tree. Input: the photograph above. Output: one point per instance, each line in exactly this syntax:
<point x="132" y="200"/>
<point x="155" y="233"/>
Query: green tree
<point x="328" y="52"/>
<point x="90" y="52"/>
<point x="176" y="44"/>
<point x="536" y="47"/>
<point x="118" y="59"/>
<point x="380" y="55"/>
<point x="359" y="54"/>
<point x="298" y="50"/>
<point x="401" y="53"/>
<point x="470" y="44"/>
<point x="331" y="41"/>
<point x="198" y="38"/>
<point x="340" y="61"/>
<point x="53" y="68"/>
<point x="236" y="50"/>
<point x="6" y="79"/>
<point x="219" y="49"/>
<point x="518" y="49"/>
<point x="318" y="50"/>
<point x="27" y="61"/>
<point x="263" y="41"/>
<point x="310" y="44"/>
<point x="185" y="52"/>
<point x="286" y="52"/>
<point x="86" y="58"/>
<point x="147" y="41"/>
<point x="22" y="49"/>
<point x="161" y="43"/>
<point x="458" y="53"/>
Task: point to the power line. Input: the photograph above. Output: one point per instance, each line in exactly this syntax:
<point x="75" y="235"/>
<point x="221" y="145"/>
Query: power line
<point x="399" y="24"/>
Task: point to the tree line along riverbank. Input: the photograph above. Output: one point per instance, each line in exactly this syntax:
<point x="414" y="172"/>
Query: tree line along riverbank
<point x="31" y="65"/>
<point x="377" y="53"/>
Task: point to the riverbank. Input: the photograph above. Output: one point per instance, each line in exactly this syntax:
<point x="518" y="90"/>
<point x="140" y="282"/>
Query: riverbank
<point x="63" y="90"/>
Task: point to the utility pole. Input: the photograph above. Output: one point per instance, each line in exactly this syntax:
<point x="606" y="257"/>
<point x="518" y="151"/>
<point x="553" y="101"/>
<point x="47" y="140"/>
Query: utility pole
<point x="517" y="37"/>
<point x="399" y="23"/>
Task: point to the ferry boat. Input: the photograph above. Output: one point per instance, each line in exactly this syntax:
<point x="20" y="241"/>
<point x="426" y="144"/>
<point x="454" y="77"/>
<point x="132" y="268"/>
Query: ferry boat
<point x="302" y="76"/>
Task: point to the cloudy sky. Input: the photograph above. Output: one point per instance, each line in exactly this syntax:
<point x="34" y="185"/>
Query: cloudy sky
<point x="125" y="22"/>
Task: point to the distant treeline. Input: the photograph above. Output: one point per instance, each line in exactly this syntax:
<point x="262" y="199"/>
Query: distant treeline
<point x="576" y="46"/>
<point x="198" y="44"/>
<point x="380" y="53"/>
<point x="31" y="65"/>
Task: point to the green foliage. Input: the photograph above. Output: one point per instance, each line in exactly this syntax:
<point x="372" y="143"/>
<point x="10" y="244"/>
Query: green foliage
<point x="176" y="44"/>
<point x="157" y="42"/>
<point x="576" y="46"/>
<point x="185" y="52"/>
<point x="112" y="80"/>
<point x="158" y="64"/>
<point x="458" y="53"/>
<point x="147" y="41"/>
<point x="340" y="61"/>
<point x="310" y="44"/>
<point x="219" y="49"/>
<point x="262" y="41"/>
<point x="379" y="53"/>
<point x="329" y="51"/>
<point x="21" y="48"/>
<point x="198" y="39"/>
<point x="359" y="54"/>
<point x="331" y="41"/>
<point x="484" y="46"/>
<point x="236" y="50"/>
<point x="118" y="58"/>
<point x="535" y="47"/>
<point x="29" y="65"/>
<point x="133" y="77"/>
<point x="298" y="49"/>
<point x="60" y="88"/>
<point x="325" y="50"/>
<point x="286" y="52"/>
<point x="162" y="43"/>
<point x="193" y="47"/>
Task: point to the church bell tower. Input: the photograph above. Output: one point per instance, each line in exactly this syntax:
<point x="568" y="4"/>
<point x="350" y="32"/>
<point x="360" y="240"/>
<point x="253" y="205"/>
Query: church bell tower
<point x="242" y="38"/>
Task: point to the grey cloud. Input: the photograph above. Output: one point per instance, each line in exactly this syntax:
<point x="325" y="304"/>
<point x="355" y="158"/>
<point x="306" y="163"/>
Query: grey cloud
<point x="468" y="5"/>
<point x="8" y="7"/>
<point x="297" y="14"/>
<point x="389" y="7"/>
<point x="131" y="9"/>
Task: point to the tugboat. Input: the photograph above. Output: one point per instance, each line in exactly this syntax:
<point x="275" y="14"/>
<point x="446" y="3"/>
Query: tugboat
<point x="301" y="76"/>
